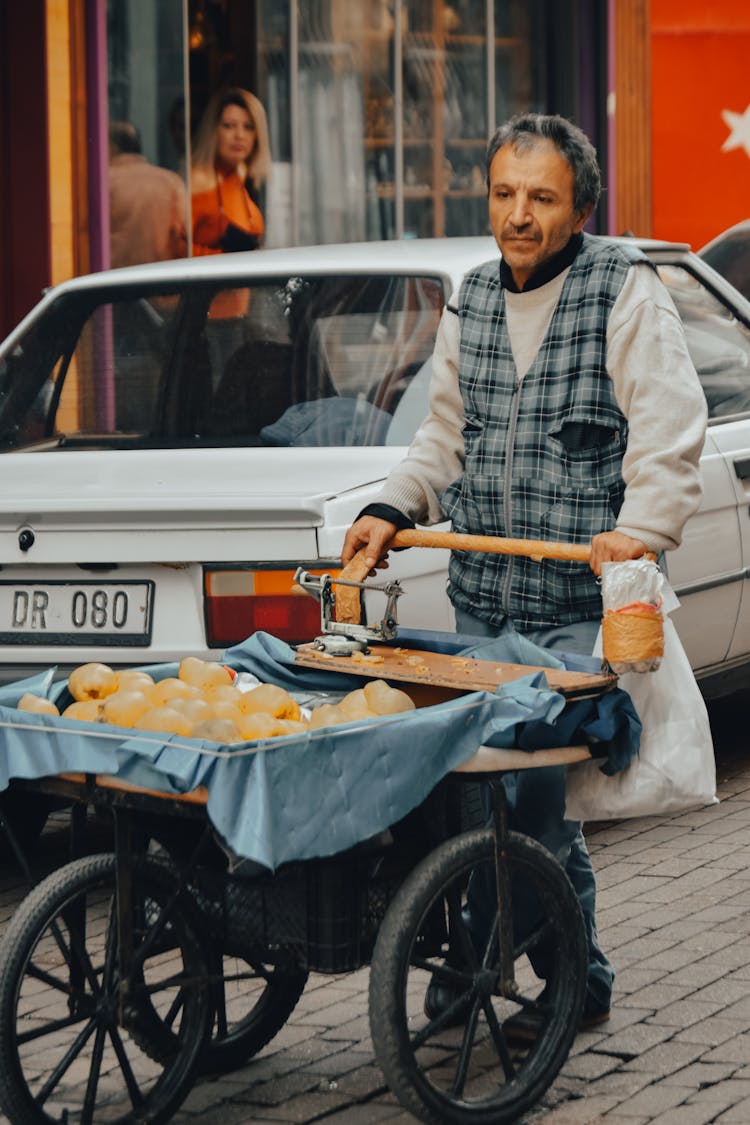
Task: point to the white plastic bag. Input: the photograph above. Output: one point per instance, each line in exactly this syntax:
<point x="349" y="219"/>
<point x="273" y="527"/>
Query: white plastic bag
<point x="675" y="769"/>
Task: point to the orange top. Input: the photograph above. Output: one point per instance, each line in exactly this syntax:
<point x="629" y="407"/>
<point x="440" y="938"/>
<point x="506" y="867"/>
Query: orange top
<point x="213" y="210"/>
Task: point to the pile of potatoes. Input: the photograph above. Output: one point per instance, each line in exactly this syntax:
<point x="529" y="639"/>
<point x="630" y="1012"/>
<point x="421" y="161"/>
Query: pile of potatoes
<point x="202" y="702"/>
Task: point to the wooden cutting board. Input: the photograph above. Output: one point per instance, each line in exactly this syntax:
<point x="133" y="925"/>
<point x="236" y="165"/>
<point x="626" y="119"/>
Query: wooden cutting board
<point x="436" y="676"/>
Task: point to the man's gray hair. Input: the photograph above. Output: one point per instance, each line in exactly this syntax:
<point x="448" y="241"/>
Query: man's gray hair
<point x="527" y="129"/>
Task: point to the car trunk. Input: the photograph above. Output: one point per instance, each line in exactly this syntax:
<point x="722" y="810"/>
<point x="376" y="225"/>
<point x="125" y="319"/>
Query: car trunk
<point x="172" y="505"/>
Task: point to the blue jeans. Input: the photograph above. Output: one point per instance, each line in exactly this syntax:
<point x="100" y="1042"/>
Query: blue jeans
<point x="536" y="804"/>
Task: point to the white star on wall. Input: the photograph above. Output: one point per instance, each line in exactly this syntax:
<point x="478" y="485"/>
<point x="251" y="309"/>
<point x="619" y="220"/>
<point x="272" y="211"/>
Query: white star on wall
<point x="739" y="123"/>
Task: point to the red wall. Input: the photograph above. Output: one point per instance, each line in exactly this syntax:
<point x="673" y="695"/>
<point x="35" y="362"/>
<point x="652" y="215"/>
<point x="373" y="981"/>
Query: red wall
<point x="700" y="71"/>
<point x="24" y="198"/>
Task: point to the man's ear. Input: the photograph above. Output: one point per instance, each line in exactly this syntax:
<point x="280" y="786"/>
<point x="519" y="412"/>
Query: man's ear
<point x="582" y="217"/>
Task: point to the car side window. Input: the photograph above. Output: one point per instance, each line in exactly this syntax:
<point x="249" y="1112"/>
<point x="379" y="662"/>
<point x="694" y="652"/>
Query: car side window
<point x="30" y="378"/>
<point x="728" y="255"/>
<point x="719" y="344"/>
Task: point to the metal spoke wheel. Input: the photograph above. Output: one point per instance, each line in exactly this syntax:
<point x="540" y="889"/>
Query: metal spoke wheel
<point x="462" y="1065"/>
<point x="253" y="992"/>
<point x="76" y="1036"/>
<point x="252" y="1000"/>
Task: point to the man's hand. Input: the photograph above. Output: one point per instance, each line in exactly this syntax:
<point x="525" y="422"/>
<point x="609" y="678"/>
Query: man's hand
<point x="614" y="546"/>
<point x="374" y="534"/>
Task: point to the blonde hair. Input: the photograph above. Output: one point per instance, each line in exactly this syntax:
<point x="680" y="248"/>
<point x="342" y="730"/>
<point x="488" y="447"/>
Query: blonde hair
<point x="205" y="144"/>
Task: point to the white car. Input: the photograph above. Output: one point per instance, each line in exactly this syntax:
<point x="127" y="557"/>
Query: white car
<point x="177" y="438"/>
<point x="729" y="255"/>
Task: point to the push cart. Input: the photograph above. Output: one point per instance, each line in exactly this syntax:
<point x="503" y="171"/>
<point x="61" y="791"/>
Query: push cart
<point x="124" y="976"/>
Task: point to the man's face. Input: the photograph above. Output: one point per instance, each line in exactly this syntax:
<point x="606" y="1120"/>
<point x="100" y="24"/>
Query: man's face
<point x="531" y="206"/>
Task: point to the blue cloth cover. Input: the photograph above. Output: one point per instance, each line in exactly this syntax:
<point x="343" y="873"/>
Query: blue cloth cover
<point x="308" y="795"/>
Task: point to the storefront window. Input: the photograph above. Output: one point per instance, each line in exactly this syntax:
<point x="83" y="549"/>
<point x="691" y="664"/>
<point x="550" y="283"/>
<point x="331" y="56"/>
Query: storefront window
<point x="378" y="111"/>
<point x="146" y="75"/>
<point x="275" y="89"/>
<point x="148" y="214"/>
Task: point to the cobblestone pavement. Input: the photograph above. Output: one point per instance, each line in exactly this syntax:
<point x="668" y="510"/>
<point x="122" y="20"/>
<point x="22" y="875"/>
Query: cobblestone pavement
<point x="674" y="915"/>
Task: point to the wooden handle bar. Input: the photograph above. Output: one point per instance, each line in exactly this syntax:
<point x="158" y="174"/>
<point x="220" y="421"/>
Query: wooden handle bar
<point x="348" y="599"/>
<point x="493" y="545"/>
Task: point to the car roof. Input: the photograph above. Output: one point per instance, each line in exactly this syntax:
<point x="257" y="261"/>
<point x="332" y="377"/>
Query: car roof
<point x="429" y="255"/>
<point x="449" y="258"/>
<point x="442" y="256"/>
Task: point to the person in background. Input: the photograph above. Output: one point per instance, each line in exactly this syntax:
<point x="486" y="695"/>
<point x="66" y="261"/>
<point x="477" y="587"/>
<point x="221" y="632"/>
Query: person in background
<point x="147" y="204"/>
<point x="563" y="406"/>
<point x="230" y="164"/>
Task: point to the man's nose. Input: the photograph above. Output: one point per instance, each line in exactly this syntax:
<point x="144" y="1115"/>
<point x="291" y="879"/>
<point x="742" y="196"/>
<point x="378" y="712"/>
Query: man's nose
<point x="519" y="215"/>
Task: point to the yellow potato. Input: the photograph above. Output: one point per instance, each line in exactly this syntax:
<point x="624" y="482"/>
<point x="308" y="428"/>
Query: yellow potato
<point x="132" y="679"/>
<point x="203" y="673"/>
<point x="92" y="681"/>
<point x="164" y="720"/>
<point x="328" y="715"/>
<point x="124" y="708"/>
<point x="223" y="693"/>
<point x="386" y="700"/>
<point x="38" y="704"/>
<point x="222" y="710"/>
<point x="172" y="688"/>
<point x="289" y="726"/>
<point x="217" y="730"/>
<point x="272" y="699"/>
<point x="88" y="709"/>
<point x="259" y="724"/>
<point x="355" y="705"/>
<point x="195" y="710"/>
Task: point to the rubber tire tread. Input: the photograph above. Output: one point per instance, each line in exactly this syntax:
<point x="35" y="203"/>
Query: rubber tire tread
<point x="390" y="959"/>
<point x="276" y="1004"/>
<point x="34" y="913"/>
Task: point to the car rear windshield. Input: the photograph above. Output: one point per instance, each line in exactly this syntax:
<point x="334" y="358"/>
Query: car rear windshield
<point x="335" y="361"/>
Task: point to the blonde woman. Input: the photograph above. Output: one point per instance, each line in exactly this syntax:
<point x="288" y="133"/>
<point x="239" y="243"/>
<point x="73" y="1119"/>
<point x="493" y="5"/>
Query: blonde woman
<point x="231" y="161"/>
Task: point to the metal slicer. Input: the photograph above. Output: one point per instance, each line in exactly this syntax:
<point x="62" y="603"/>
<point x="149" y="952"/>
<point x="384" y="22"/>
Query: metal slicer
<point x="342" y="638"/>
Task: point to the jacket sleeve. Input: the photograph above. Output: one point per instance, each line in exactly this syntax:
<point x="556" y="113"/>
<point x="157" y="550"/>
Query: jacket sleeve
<point x="436" y="454"/>
<point x="658" y="391"/>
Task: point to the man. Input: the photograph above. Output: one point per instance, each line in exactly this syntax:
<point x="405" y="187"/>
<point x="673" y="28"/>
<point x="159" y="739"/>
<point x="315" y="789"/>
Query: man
<point x="147" y="204"/>
<point x="563" y="406"/>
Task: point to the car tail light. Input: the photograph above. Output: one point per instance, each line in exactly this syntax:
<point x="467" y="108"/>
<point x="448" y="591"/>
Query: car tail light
<point x="240" y="602"/>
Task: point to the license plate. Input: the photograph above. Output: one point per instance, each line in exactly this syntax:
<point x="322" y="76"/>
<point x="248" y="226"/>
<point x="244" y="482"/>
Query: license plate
<point x="76" y="613"/>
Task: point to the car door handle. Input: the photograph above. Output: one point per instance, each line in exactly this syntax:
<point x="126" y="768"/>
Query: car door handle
<point x="742" y="468"/>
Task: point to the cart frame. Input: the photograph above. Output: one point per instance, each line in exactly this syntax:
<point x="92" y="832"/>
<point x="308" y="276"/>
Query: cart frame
<point x="403" y="914"/>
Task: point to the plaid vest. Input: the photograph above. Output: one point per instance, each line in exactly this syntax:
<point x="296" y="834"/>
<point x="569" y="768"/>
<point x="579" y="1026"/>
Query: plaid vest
<point x="543" y="455"/>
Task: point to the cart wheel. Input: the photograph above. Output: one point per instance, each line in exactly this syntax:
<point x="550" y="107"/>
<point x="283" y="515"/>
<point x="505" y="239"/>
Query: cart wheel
<point x="70" y="1034"/>
<point x="473" y="1073"/>
<point x="252" y="994"/>
<point x="252" y="1000"/>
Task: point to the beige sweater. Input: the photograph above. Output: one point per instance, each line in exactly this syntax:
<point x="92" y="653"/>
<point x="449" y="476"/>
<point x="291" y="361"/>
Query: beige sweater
<point x="655" y="385"/>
